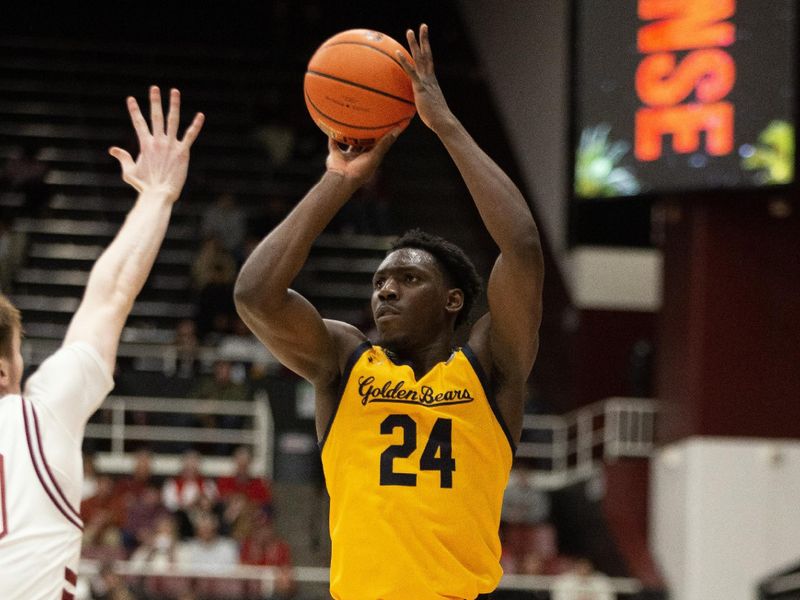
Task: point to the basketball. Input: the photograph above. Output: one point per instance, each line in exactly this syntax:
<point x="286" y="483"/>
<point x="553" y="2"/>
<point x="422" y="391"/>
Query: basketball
<point x="356" y="89"/>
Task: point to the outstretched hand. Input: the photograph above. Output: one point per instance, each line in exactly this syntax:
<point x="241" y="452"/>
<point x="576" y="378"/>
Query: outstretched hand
<point x="357" y="167"/>
<point x="163" y="159"/>
<point x="431" y="105"/>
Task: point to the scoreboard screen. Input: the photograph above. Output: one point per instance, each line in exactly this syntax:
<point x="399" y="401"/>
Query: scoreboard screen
<point x="673" y="96"/>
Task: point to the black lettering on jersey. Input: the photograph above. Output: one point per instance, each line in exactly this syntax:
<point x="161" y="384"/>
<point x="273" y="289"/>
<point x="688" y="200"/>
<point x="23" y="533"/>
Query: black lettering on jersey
<point x="437" y="455"/>
<point x="390" y="391"/>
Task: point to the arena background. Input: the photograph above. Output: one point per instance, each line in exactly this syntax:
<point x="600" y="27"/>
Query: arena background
<point x="701" y="311"/>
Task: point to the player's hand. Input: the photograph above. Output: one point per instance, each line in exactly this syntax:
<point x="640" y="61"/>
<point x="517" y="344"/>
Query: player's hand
<point x="163" y="159"/>
<point x="356" y="167"/>
<point x="431" y="105"/>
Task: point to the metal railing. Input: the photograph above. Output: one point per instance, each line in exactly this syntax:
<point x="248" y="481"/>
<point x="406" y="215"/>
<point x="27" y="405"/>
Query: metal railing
<point x="313" y="577"/>
<point x="257" y="432"/>
<point x="568" y="448"/>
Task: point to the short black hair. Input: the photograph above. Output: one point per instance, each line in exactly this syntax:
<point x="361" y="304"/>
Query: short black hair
<point x="456" y="266"/>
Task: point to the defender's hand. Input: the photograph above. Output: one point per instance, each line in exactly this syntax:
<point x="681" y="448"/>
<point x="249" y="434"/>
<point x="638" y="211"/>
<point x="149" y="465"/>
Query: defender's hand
<point x="163" y="159"/>
<point x="431" y="105"/>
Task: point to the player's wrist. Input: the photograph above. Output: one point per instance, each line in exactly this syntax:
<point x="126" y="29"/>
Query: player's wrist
<point x="160" y="193"/>
<point x="340" y="180"/>
<point x="447" y="125"/>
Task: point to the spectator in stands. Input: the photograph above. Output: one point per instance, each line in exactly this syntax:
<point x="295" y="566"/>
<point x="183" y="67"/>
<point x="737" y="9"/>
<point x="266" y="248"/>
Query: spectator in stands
<point x="226" y="221"/>
<point x="208" y="549"/>
<point x="189" y="486"/>
<point x="25" y="174"/>
<point x="213" y="274"/>
<point x="273" y="130"/>
<point x="213" y="264"/>
<point x="12" y="252"/>
<point x="144" y="510"/>
<point x="582" y="582"/>
<point x="103" y="515"/>
<point x="243" y="497"/>
<point x="187" y="350"/>
<point x="264" y="547"/>
<point x="140" y="479"/>
<point x="254" y="489"/>
<point x="526" y="510"/>
<point x="225" y="383"/>
<point x="159" y="547"/>
<point x="240" y="345"/>
<point x="108" y="585"/>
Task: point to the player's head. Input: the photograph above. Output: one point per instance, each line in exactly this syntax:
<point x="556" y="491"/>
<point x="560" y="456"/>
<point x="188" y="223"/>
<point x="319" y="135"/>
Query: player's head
<point x="10" y="340"/>
<point x="423" y="286"/>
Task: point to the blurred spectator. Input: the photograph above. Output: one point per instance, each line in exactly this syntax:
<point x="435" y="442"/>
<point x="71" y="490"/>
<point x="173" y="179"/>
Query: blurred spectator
<point x="523" y="502"/>
<point x="525" y="530"/>
<point x="25" y="174"/>
<point x="244" y="498"/>
<point x="144" y="512"/>
<point x="159" y="547"/>
<point x="213" y="274"/>
<point x="108" y="585"/>
<point x="187" y="350"/>
<point x="226" y="221"/>
<point x="640" y="370"/>
<point x="255" y="489"/>
<point x="272" y="130"/>
<point x="12" y="252"/>
<point x="242" y="346"/>
<point x="222" y="385"/>
<point x="140" y="479"/>
<point x="208" y="549"/>
<point x="103" y="515"/>
<point x="185" y="490"/>
<point x="265" y="547"/>
<point x="213" y="264"/>
<point x="582" y="582"/>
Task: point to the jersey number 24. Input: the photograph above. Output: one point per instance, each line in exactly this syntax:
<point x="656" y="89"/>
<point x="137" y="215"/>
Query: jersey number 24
<point x="437" y="455"/>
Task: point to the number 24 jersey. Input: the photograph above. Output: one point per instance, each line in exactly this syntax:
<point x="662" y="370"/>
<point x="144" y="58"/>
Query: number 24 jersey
<point x="416" y="470"/>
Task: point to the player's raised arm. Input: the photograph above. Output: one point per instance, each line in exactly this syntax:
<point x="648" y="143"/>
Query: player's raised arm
<point x="158" y="174"/>
<point x="282" y="319"/>
<point x="510" y="331"/>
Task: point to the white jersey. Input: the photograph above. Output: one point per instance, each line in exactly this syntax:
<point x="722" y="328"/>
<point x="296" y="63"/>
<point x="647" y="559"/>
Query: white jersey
<point x="41" y="471"/>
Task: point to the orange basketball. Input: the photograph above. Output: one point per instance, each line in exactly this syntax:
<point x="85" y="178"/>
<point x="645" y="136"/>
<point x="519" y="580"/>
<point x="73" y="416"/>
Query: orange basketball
<point x="356" y="89"/>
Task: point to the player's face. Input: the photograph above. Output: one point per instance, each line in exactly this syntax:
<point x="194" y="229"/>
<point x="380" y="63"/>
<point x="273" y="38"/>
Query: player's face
<point x="408" y="298"/>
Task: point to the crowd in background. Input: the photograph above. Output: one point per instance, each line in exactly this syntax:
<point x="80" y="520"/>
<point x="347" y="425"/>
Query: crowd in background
<point x="191" y="520"/>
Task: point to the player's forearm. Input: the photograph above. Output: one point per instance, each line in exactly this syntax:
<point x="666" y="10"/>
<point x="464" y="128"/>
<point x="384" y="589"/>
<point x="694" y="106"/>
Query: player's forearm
<point x="121" y="271"/>
<point x="275" y="263"/>
<point x="501" y="205"/>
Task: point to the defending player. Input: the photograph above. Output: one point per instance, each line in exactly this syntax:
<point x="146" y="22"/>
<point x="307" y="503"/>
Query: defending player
<point x="41" y="428"/>
<point x="417" y="436"/>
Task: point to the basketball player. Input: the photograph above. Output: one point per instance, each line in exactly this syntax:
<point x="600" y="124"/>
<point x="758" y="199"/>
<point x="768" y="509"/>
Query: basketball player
<point x="41" y="427"/>
<point x="417" y="436"/>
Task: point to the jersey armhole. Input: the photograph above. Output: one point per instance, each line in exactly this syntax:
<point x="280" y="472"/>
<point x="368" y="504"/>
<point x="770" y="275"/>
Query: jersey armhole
<point x="489" y="392"/>
<point x="351" y="362"/>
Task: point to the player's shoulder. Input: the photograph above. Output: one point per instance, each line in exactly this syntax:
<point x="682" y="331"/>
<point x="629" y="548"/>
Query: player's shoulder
<point x="76" y="359"/>
<point x="500" y="362"/>
<point x="346" y="340"/>
<point x="346" y="337"/>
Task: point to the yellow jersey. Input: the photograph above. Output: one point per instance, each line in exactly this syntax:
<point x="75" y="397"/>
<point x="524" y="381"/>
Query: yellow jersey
<point x="416" y="471"/>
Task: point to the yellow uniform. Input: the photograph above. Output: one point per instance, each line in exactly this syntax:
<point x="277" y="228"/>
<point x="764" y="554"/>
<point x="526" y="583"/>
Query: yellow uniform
<point x="416" y="471"/>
